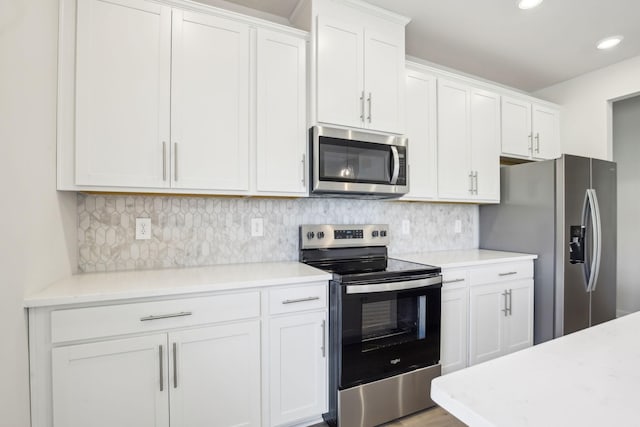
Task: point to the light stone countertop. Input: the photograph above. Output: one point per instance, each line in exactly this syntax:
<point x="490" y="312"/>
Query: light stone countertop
<point x="588" y="378"/>
<point x="465" y="258"/>
<point x="118" y="286"/>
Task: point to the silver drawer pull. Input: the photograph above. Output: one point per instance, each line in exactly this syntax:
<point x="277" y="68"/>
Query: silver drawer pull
<point x="511" y="273"/>
<point x="166" y="316"/>
<point x="444" y="282"/>
<point x="293" y="301"/>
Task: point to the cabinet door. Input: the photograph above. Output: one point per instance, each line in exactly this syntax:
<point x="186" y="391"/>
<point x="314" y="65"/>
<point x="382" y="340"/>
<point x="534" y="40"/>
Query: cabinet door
<point x="215" y="376"/>
<point x="485" y="144"/>
<point x="111" y="383"/>
<point x="421" y="131"/>
<point x="298" y="367"/>
<point x="209" y="103"/>
<point x="281" y="118"/>
<point x="122" y="92"/>
<point x="453" y="349"/>
<point x="517" y="138"/>
<point x="384" y="80"/>
<point x="454" y="167"/>
<point x="519" y="331"/>
<point x="487" y="304"/>
<point x="546" y="132"/>
<point x="339" y="80"/>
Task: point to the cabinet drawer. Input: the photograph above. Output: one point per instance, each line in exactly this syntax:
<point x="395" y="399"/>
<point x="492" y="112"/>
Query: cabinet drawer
<point x="307" y="297"/>
<point x="502" y="272"/>
<point x="454" y="279"/>
<point x="110" y="320"/>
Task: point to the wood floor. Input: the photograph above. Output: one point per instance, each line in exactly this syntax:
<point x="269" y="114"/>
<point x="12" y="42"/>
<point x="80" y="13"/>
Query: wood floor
<point x="434" y="417"/>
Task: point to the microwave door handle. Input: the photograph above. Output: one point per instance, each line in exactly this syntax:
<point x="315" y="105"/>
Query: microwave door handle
<point x="396" y="165"/>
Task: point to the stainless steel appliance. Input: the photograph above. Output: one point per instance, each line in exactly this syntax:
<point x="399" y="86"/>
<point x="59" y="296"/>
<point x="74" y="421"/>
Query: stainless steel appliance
<point x="384" y="324"/>
<point x="564" y="210"/>
<point x="353" y="163"/>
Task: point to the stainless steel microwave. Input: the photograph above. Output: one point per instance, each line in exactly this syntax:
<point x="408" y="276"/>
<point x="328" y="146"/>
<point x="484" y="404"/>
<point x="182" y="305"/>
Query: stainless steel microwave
<point x="352" y="163"/>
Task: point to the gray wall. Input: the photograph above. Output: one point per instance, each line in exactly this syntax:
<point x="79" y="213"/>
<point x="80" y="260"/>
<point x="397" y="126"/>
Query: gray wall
<point x="38" y="225"/>
<point x="193" y="231"/>
<point x="626" y="152"/>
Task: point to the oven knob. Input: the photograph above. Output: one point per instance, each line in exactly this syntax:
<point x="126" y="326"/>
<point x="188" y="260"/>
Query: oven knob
<point x="320" y="234"/>
<point x="383" y="233"/>
<point x="374" y="233"/>
<point x="310" y="235"/>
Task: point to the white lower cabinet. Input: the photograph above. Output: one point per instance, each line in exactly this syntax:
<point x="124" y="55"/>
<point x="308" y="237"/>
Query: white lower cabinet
<point x="248" y="358"/>
<point x="487" y="312"/>
<point x="298" y="367"/>
<point x="215" y="376"/>
<point x="453" y="346"/>
<point x="120" y="382"/>
<point x="501" y="319"/>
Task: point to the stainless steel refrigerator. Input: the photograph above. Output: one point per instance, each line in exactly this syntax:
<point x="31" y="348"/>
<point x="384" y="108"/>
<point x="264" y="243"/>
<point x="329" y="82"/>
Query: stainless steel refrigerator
<point x="564" y="211"/>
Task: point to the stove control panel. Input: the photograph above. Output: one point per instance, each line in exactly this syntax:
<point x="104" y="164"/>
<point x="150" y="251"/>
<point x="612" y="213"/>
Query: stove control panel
<point x="336" y="236"/>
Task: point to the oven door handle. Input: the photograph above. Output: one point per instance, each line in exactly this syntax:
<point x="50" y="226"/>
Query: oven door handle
<point x="393" y="286"/>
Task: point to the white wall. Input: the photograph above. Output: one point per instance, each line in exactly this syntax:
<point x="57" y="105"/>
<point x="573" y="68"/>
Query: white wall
<point x="585" y="124"/>
<point x="626" y="152"/>
<point x="37" y="225"/>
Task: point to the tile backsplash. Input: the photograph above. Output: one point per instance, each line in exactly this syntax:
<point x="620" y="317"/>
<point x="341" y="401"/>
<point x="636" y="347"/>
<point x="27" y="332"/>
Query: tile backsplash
<point x="195" y="231"/>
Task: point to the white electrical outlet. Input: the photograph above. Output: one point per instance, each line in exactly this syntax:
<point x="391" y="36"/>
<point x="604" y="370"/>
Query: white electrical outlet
<point x="257" y="227"/>
<point x="406" y="226"/>
<point x="143" y="228"/>
<point x="458" y="226"/>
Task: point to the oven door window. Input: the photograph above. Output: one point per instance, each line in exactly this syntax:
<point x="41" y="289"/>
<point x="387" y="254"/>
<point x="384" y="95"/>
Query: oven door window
<point x="389" y="332"/>
<point x="353" y="161"/>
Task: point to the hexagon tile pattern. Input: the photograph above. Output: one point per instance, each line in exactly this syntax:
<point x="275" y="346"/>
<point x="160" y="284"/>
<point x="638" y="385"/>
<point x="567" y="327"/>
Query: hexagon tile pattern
<point x="195" y="231"/>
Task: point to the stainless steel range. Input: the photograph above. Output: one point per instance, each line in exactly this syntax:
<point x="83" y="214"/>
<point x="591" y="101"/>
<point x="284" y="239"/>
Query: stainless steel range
<point x="384" y="324"/>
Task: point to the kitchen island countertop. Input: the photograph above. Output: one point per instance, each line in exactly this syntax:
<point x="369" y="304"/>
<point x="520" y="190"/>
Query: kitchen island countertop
<point x="124" y="285"/>
<point x="588" y="378"/>
<point x="464" y="258"/>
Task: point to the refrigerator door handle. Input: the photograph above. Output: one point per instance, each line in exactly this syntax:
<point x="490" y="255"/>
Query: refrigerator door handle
<point x="597" y="241"/>
<point x="591" y="209"/>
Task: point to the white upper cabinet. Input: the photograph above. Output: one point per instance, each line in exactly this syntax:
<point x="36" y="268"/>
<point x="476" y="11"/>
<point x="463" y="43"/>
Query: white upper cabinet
<point x="360" y="78"/>
<point x="281" y="113"/>
<point x="162" y="99"/>
<point x="468" y="143"/>
<point x="529" y="130"/>
<point x="209" y="103"/>
<point x="421" y="132"/>
<point x="122" y="92"/>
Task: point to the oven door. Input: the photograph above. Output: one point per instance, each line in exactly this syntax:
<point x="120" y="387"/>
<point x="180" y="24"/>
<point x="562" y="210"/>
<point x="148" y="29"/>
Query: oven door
<point x="388" y="328"/>
<point x="358" y="162"/>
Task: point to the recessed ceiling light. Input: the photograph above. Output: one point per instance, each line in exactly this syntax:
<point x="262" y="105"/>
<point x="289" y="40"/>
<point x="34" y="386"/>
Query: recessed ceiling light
<point x="528" y="4"/>
<point x="609" y="42"/>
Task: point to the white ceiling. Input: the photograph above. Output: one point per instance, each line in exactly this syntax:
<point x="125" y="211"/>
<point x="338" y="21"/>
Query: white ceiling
<point x="495" y="40"/>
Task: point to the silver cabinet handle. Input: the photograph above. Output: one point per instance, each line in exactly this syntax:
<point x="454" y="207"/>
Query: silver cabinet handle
<point x="510" y="273"/>
<point x="304" y="177"/>
<point x="505" y="310"/>
<point x="538" y="142"/>
<point x="471" y="182"/>
<point x="444" y="282"/>
<point x="475" y="177"/>
<point x="164" y="160"/>
<point x="175" y="365"/>
<point x="161" y="370"/>
<point x="369" y="102"/>
<point x="293" y="301"/>
<point x="324" y="340"/>
<point x="510" y="302"/>
<point x="362" y="106"/>
<point x="531" y="143"/>
<point x="165" y="316"/>
<point x="175" y="161"/>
